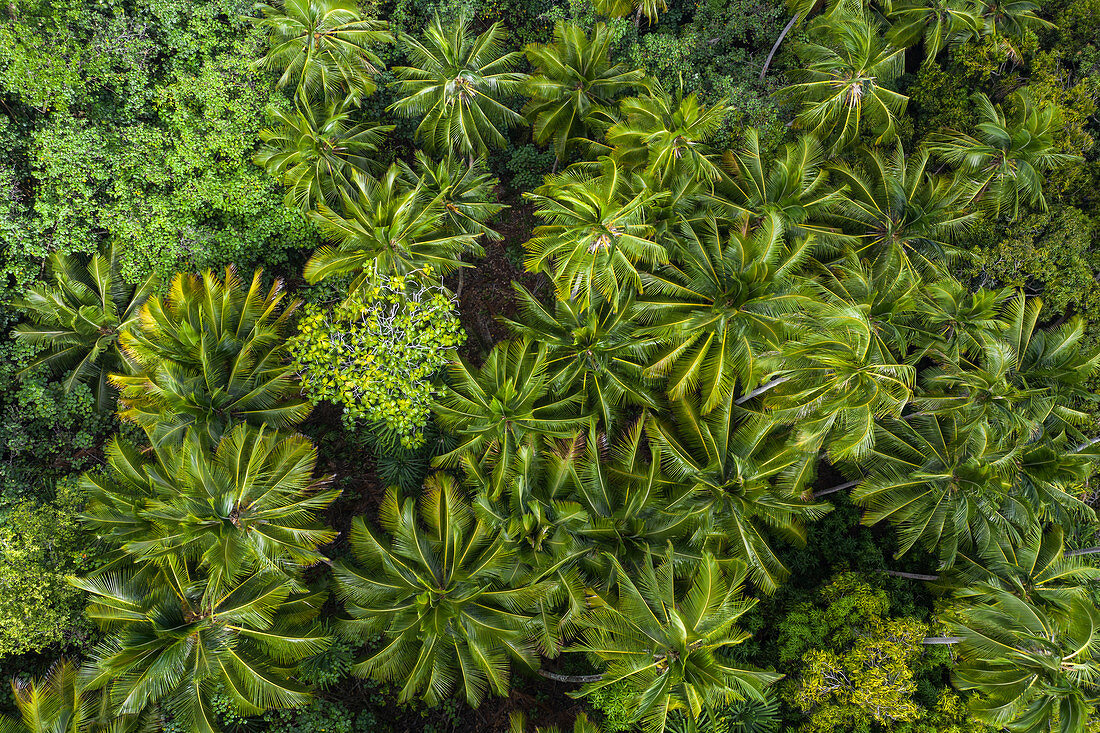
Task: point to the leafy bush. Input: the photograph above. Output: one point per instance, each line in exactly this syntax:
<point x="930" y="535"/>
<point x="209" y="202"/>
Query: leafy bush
<point x="616" y="702"/>
<point x="39" y="545"/>
<point x="1050" y="254"/>
<point x="375" y="352"/>
<point x="872" y="678"/>
<point x="858" y="664"/>
<point x="176" y="182"/>
<point x="527" y="165"/>
<point x="319" y="716"/>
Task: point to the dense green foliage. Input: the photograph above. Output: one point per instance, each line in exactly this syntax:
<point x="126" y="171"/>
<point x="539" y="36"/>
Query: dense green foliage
<point x="375" y="352"/>
<point x="780" y="416"/>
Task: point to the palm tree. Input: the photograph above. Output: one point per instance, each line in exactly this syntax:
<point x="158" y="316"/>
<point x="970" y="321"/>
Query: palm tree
<point x="938" y="485"/>
<point x="960" y="322"/>
<point x="385" y="227"/>
<point x="442" y="591"/>
<point x="1011" y="18"/>
<point x="1027" y="382"/>
<point x="58" y="703"/>
<point x="843" y="89"/>
<point x="1055" y="358"/>
<point x="317" y="150"/>
<point x="172" y="641"/>
<point x="251" y="504"/>
<point x="574" y="87"/>
<point x="623" y="493"/>
<point x="535" y="511"/>
<point x="455" y="85"/>
<point x="517" y="723"/>
<point x="897" y="204"/>
<point x="1008" y="21"/>
<point x="666" y="135"/>
<point x="719" y="304"/>
<point x="793" y="186"/>
<point x="1036" y="569"/>
<point x="651" y="9"/>
<point x="596" y="351"/>
<point x="1031" y="664"/>
<point x="79" y="319"/>
<point x="665" y="644"/>
<point x="465" y="192"/>
<point x="983" y="390"/>
<point x="210" y="353"/>
<point x="935" y="23"/>
<point x="322" y="47"/>
<point x="1004" y="161"/>
<point x="735" y="483"/>
<point x="595" y="236"/>
<point x="836" y="381"/>
<point x="502" y="406"/>
<point x="886" y="290"/>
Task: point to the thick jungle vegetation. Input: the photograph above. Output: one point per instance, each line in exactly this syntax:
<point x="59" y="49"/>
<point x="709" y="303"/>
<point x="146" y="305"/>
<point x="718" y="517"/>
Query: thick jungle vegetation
<point x="518" y="366"/>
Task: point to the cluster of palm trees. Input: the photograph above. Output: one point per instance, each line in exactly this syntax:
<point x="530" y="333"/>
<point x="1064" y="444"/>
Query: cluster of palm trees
<point x="208" y="525"/>
<point x="726" y="329"/>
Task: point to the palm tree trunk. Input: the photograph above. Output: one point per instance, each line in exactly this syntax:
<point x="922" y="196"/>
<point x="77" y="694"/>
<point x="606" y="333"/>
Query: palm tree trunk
<point x="760" y="390"/>
<point x="1086" y="444"/>
<point x="838" y="487"/>
<point x="786" y="30"/>
<point x="576" y="678"/>
<point x="911" y="576"/>
<point x="1086" y="551"/>
<point x="930" y="640"/>
<point x="638" y="17"/>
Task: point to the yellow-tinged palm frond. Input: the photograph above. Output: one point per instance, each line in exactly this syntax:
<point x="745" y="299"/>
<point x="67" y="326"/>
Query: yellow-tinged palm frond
<point x="253" y="503"/>
<point x="317" y="150"/>
<point x="1031" y="663"/>
<point x="844" y="82"/>
<point x="389" y="227"/>
<point x="210" y="353"/>
<point x="174" y="641"/>
<point x="596" y="234"/>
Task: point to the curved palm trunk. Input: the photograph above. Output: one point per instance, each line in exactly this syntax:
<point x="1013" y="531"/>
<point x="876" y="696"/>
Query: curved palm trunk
<point x="1086" y="551"/>
<point x="760" y="390"/>
<point x="1086" y="444"/>
<point x="786" y="30"/>
<point x="911" y="576"/>
<point x="576" y="678"/>
<point x="838" y="487"/>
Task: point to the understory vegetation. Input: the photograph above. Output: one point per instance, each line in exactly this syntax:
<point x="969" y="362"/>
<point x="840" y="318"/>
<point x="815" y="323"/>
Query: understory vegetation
<point x="527" y="366"/>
